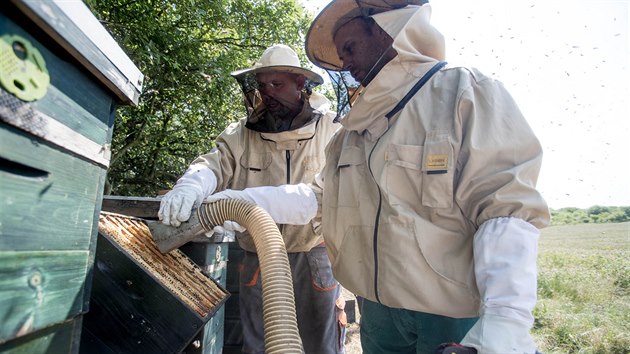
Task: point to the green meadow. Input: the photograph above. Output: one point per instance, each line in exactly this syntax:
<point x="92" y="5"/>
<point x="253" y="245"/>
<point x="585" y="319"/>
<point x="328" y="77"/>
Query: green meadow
<point x="584" y="289"/>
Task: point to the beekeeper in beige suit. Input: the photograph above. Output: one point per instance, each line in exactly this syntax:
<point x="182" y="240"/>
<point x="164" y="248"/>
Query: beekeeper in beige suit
<point x="427" y="199"/>
<point x="280" y="142"/>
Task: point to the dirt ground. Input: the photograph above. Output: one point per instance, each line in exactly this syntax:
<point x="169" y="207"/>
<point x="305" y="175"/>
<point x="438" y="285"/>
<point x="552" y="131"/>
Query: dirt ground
<point x="353" y="340"/>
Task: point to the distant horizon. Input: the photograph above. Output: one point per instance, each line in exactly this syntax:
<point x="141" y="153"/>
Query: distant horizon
<point x="596" y="205"/>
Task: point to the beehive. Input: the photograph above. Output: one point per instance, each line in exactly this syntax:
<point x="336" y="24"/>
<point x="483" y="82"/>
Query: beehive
<point x="61" y="78"/>
<point x="143" y="300"/>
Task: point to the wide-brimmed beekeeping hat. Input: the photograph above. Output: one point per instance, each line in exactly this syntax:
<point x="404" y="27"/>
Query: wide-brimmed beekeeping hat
<point x="280" y="57"/>
<point x="320" y="47"/>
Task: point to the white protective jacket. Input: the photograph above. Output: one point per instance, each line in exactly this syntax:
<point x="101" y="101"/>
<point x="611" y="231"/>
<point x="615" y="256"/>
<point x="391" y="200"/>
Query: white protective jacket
<point x="404" y="197"/>
<point x="247" y="158"/>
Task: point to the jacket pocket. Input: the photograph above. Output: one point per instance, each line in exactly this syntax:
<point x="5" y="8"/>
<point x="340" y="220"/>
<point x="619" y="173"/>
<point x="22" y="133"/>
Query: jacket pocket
<point x="351" y="170"/>
<point x="353" y="264"/>
<point x="311" y="165"/>
<point x="321" y="270"/>
<point x="255" y="167"/>
<point x="403" y="176"/>
<point x="437" y="171"/>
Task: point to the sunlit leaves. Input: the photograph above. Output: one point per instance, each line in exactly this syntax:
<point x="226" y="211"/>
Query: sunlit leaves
<point x="186" y="49"/>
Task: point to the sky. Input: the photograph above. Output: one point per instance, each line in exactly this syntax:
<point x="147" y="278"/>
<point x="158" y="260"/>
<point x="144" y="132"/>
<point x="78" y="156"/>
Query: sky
<point x="565" y="62"/>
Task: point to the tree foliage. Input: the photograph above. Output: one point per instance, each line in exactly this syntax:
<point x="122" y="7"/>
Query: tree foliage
<point x="186" y="49"/>
<point x="595" y="214"/>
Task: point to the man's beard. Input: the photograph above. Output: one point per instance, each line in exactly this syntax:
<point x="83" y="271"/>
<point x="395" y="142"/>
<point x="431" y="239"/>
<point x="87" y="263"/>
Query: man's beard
<point x="282" y="111"/>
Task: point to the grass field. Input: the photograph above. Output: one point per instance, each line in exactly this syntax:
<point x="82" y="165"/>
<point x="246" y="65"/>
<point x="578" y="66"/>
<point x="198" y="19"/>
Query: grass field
<point x="583" y="291"/>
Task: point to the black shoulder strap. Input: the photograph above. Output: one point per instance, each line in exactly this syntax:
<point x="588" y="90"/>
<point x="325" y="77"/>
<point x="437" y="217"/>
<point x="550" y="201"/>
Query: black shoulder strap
<point x="423" y="80"/>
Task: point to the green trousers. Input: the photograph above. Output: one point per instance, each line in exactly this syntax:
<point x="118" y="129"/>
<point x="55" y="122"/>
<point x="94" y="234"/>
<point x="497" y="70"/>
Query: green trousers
<point x="387" y="330"/>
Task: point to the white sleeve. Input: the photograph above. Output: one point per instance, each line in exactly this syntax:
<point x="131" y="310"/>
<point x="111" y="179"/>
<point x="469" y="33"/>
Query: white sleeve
<point x="293" y="204"/>
<point x="505" y="251"/>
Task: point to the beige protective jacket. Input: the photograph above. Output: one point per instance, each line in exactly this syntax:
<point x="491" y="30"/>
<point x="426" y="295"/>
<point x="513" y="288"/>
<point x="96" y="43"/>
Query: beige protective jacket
<point x="246" y="158"/>
<point x="404" y="197"/>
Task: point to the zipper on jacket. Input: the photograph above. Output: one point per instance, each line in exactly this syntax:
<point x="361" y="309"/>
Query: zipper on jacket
<point x="288" y="159"/>
<point x="396" y="109"/>
<point x="376" y="223"/>
<point x="288" y="154"/>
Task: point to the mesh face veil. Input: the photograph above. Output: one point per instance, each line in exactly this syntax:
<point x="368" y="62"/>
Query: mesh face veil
<point x="253" y="97"/>
<point x="320" y="46"/>
<point x="277" y="60"/>
<point x="347" y="90"/>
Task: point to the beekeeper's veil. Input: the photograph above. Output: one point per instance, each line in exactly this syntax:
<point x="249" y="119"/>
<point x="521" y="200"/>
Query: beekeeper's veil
<point x="278" y="57"/>
<point x="320" y="47"/>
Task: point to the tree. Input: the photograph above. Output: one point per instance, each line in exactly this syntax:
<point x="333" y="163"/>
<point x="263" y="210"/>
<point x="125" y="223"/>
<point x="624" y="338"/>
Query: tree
<point x="186" y="49"/>
<point x="594" y="214"/>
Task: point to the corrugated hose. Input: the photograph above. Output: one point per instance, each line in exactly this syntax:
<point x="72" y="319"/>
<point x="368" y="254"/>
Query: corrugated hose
<point x="280" y="321"/>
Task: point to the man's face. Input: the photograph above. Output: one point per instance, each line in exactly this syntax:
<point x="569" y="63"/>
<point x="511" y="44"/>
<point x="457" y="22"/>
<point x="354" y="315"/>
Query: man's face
<point x="359" y="48"/>
<point x="281" y="93"/>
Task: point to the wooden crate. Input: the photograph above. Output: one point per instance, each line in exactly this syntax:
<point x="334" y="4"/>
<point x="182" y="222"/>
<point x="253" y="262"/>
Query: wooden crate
<point x="61" y="337"/>
<point x="210" y="256"/>
<point x="143" y="300"/>
<point x="54" y="153"/>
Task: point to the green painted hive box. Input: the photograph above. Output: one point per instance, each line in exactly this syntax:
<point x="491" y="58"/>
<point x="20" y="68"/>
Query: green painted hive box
<point x="61" y="78"/>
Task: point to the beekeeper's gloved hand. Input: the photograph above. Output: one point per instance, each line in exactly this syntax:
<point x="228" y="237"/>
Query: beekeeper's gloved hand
<point x="293" y="204"/>
<point x="227" y="226"/>
<point x="189" y="192"/>
<point x="177" y="204"/>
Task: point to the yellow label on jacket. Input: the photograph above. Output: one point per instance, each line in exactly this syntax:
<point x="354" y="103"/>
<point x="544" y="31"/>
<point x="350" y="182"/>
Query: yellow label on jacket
<point x="437" y="162"/>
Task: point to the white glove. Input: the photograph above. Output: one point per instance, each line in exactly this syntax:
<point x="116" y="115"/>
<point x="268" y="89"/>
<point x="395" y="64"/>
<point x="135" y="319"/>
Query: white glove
<point x="293" y="204"/>
<point x="226" y="227"/>
<point x="498" y="335"/>
<point x="189" y="192"/>
<point x="505" y="251"/>
<point x="177" y="204"/>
